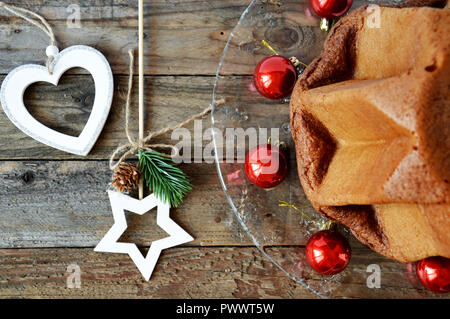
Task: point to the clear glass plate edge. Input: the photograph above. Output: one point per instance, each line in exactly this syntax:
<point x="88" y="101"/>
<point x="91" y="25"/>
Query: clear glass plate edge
<point x="219" y="171"/>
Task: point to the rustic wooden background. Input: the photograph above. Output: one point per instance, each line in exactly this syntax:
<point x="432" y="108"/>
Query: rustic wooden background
<point x="53" y="205"/>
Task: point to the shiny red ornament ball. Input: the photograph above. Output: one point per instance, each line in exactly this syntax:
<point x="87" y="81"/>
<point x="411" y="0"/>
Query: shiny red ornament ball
<point x="328" y="252"/>
<point x="265" y="166"/>
<point x="330" y="9"/>
<point x="434" y="274"/>
<point x="275" y="77"/>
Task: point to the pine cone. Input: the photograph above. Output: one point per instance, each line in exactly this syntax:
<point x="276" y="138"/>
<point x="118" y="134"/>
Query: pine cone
<point x="126" y="177"/>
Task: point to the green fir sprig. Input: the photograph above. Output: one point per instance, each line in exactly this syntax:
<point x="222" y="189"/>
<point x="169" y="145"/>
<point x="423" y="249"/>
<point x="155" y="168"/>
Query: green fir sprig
<point x="163" y="177"/>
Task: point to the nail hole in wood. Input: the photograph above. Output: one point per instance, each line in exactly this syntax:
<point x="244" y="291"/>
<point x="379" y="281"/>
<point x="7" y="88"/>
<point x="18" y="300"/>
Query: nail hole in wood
<point x="28" y="177"/>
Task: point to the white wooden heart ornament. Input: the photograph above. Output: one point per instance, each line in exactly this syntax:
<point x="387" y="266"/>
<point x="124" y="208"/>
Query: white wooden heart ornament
<point x="17" y="81"/>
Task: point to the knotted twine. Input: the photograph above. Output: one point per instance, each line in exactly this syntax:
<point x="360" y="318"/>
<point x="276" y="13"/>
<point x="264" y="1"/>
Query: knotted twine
<point x="43" y="25"/>
<point x="133" y="146"/>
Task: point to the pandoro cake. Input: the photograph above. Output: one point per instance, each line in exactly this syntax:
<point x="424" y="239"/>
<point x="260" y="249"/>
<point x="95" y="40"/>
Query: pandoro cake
<point x="370" y="118"/>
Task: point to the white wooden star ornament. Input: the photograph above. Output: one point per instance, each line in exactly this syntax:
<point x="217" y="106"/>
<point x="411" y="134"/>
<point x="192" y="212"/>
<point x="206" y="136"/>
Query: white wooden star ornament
<point x="121" y="202"/>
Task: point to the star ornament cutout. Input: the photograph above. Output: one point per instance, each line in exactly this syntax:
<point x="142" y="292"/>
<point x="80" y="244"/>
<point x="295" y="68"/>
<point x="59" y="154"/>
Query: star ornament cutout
<point x="110" y="244"/>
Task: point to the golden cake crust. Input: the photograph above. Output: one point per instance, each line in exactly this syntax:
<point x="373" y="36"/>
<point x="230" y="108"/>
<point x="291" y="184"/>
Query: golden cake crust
<point x="419" y="185"/>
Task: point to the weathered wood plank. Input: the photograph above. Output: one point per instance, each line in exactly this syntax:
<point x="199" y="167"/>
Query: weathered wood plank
<point x="185" y="273"/>
<point x="170" y="100"/>
<point x="180" y="273"/>
<point x="64" y="204"/>
<point x="187" y="36"/>
<point x="67" y="107"/>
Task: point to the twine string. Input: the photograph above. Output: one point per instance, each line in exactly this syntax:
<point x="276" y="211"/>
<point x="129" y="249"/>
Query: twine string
<point x="133" y="145"/>
<point x="40" y="22"/>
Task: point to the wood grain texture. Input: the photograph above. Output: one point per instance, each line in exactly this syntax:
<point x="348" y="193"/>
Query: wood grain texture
<point x="184" y="273"/>
<point x="65" y="204"/>
<point x="67" y="107"/>
<point x="182" y="36"/>
<point x="170" y="100"/>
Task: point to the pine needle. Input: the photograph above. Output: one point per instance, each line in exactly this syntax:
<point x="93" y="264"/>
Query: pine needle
<point x="163" y="177"/>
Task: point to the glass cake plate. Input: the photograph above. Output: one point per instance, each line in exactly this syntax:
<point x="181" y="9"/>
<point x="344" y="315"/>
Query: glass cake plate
<point x="279" y="232"/>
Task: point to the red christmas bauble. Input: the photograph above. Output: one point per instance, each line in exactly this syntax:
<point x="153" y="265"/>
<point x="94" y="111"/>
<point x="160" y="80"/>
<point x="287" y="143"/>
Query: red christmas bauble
<point x="265" y="166"/>
<point x="434" y="274"/>
<point x="328" y="252"/>
<point x="330" y="9"/>
<point x="275" y="77"/>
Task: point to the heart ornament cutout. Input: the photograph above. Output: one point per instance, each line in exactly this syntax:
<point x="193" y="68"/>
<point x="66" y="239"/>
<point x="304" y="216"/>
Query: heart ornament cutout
<point x="19" y="79"/>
